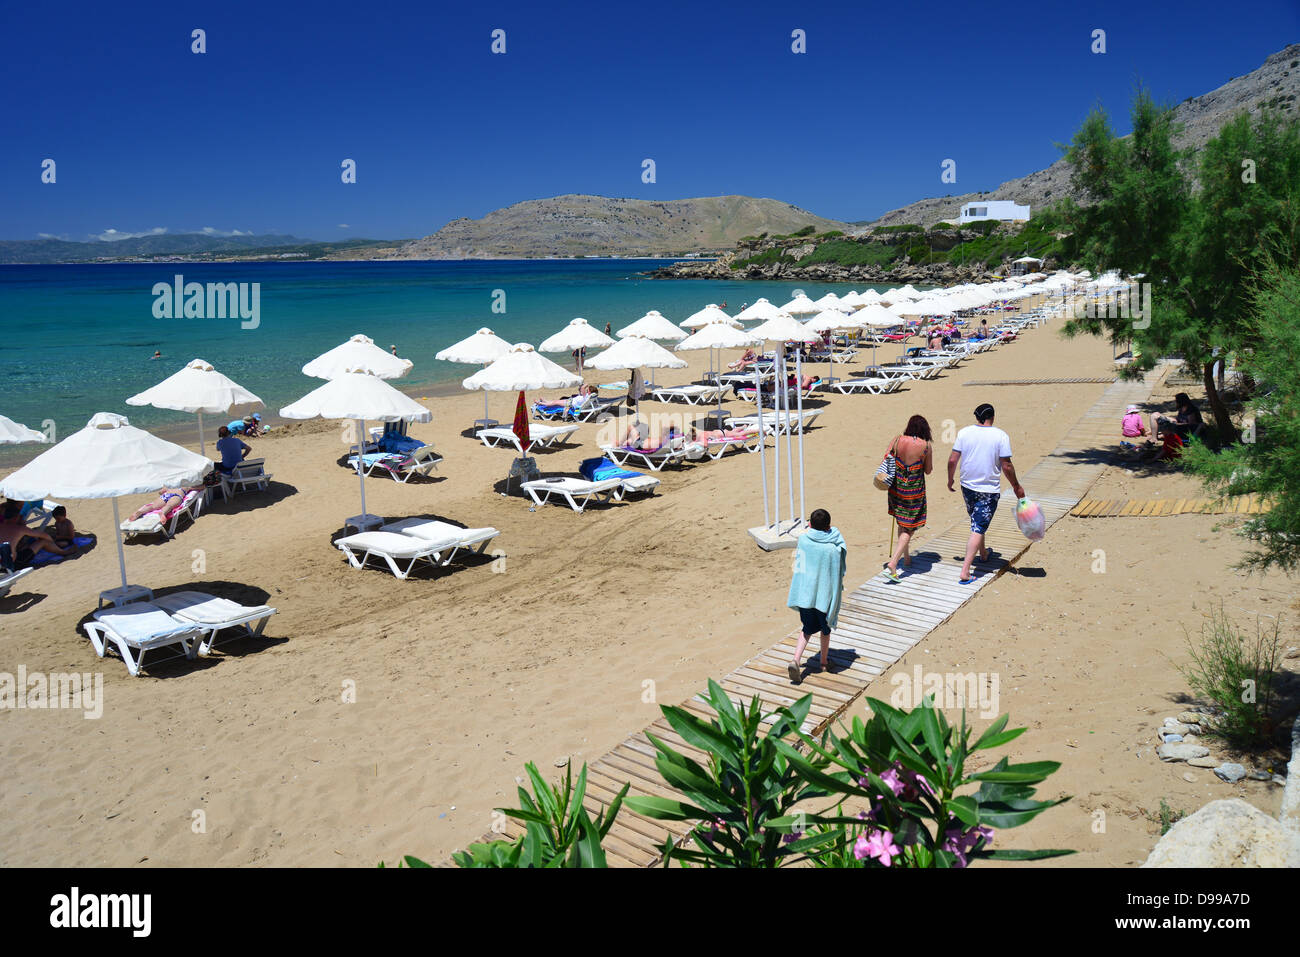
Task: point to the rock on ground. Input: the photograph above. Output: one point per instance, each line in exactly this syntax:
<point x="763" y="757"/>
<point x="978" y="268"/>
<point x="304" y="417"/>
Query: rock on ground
<point x="1227" y="833"/>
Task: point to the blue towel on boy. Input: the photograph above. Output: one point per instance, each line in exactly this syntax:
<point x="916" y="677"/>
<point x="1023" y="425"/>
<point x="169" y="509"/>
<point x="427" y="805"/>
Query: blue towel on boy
<point x="819" y="566"/>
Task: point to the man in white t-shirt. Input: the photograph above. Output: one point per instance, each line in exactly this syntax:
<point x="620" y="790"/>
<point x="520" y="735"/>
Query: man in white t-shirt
<point x="984" y="453"/>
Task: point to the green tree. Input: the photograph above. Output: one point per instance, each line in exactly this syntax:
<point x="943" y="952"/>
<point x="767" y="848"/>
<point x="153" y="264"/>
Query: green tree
<point x="1268" y="460"/>
<point x="1197" y="243"/>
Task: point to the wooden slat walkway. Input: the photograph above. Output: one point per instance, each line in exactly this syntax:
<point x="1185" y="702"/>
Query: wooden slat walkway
<point x="1078" y="379"/>
<point x="1251" y="504"/>
<point x="879" y="622"/>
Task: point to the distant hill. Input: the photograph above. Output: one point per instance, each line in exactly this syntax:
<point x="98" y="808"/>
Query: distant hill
<point x="196" y="247"/>
<point x="1276" y="84"/>
<point x="580" y="225"/>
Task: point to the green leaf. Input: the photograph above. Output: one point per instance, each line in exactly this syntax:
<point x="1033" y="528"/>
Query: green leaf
<point x="1014" y="855"/>
<point x="1029" y="773"/>
<point x="695" y="730"/>
<point x="665" y="809"/>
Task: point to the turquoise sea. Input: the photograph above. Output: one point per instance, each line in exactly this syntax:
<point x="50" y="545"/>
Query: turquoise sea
<point x="78" y="338"/>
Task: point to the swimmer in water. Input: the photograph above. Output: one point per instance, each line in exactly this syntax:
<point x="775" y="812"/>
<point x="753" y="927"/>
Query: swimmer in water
<point x="156" y="355"/>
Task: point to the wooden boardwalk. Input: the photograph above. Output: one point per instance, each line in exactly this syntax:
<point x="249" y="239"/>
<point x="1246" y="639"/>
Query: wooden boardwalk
<point x="879" y="622"/>
<point x="1146" y="508"/>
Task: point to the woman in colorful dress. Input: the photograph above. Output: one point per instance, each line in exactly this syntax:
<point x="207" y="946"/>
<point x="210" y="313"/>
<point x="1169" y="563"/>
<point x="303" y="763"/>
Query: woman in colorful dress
<point x="914" y="457"/>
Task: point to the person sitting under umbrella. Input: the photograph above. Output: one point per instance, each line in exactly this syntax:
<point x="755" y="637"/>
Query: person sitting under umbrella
<point x="744" y="362"/>
<point x="23" y="543"/>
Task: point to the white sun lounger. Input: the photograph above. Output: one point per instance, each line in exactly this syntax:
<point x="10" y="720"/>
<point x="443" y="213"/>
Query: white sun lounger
<point x="654" y="461"/>
<point x="214" y="614"/>
<point x="576" y="492"/>
<point x="421" y="461"/>
<point x="393" y="548"/>
<point x="152" y="523"/>
<point x="142" y="626"/>
<point x="539" y="435"/>
<point x="250" y="473"/>
<point x="770" y="424"/>
<point x="905" y="371"/>
<point x="9" y="579"/>
<point x="717" y="448"/>
<point x="691" y="394"/>
<point x="872" y="386"/>
<point x="431" y="530"/>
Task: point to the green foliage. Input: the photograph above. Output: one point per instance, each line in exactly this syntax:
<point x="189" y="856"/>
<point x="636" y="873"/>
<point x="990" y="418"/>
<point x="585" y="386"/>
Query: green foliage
<point x="909" y="768"/>
<point x="1200" y="249"/>
<point x="746" y="789"/>
<point x="765" y="258"/>
<point x="944" y="226"/>
<point x="1168" y="817"/>
<point x="1035" y="238"/>
<point x="832" y="233"/>
<point x="848" y="252"/>
<point x="1268" y="461"/>
<point x="806" y="231"/>
<point x="903" y="228"/>
<point x="558" y="832"/>
<point x="982" y="226"/>
<point x="1238" y="673"/>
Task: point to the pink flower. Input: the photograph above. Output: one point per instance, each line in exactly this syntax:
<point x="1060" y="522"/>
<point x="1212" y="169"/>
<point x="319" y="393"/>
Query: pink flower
<point x="892" y="781"/>
<point x="860" y="848"/>
<point x="916" y="785"/>
<point x="954" y="844"/>
<point x="972" y="837"/>
<point x="880" y="845"/>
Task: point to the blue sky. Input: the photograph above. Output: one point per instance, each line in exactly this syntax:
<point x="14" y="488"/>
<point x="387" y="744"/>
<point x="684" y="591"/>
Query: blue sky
<point x="250" y="135"/>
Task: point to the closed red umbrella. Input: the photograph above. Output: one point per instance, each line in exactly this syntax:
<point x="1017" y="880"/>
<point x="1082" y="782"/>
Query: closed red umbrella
<point x="520" y="427"/>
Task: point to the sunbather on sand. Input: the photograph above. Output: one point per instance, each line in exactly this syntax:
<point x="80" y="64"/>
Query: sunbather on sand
<point x="167" y="500"/>
<point x="639" y="438"/>
<point x="25" y="542"/>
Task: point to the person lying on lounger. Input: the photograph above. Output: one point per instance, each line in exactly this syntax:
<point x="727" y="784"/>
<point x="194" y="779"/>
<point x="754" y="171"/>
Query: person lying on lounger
<point x="638" y="438"/>
<point x="744" y="362"/>
<point x="167" y="500"/>
<point x="717" y="435"/>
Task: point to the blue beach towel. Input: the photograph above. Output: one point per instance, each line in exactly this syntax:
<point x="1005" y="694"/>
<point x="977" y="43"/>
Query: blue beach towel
<point x="818" y="581"/>
<point x="399" y="444"/>
<point x="599" y="469"/>
<point x="83" y="542"/>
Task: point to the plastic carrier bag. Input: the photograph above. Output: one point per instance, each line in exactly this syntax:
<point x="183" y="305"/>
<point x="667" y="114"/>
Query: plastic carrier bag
<point x="1030" y="519"/>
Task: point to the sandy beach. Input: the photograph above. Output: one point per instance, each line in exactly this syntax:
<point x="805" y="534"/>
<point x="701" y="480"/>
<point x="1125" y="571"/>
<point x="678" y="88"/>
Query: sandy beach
<point x="541" y="650"/>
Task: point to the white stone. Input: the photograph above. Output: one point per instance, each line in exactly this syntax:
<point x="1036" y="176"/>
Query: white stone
<point x="1181" y="752"/>
<point x="1227" y="833"/>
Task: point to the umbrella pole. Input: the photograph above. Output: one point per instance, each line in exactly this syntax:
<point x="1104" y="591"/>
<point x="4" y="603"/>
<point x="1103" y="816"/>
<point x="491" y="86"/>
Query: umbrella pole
<point x="789" y="443"/>
<point x="762" y="441"/>
<point x="799" y="379"/>
<point x="778" y="365"/>
<point x="361" y="466"/>
<point x="121" y="555"/>
<point x="201" y="446"/>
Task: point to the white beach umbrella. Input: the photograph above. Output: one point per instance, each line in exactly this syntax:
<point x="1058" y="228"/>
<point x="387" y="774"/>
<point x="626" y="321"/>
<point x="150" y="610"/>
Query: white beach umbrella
<point x="718" y="335"/>
<point x="363" y="397"/>
<point x="107" y="459"/>
<point x="653" y="326"/>
<point x="636" y="352"/>
<point x="801" y="305"/>
<point x="833" y="320"/>
<point x="578" y="334"/>
<point x="828" y="301"/>
<point x="784" y="328"/>
<point x="11" y="433"/>
<point x="760" y="311"/>
<point x="197" y="388"/>
<point x="358" y="354"/>
<point x="481" y="349"/>
<point x="710" y="313"/>
<point x="522" y="369"/>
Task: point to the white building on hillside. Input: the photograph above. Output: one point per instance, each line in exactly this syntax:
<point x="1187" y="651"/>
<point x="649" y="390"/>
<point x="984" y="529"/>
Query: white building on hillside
<point x="1001" y="209"/>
